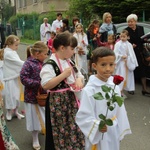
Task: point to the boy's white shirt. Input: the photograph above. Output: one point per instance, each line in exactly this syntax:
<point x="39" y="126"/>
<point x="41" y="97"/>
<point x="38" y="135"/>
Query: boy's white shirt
<point x="56" y="24"/>
<point x="117" y="50"/>
<point x="12" y="64"/>
<point x="88" y="120"/>
<point x="120" y="49"/>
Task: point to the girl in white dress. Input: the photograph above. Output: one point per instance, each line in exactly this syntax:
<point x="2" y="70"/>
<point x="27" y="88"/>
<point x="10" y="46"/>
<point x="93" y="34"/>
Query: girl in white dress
<point x="8" y="142"/>
<point x="30" y="78"/>
<point x="126" y="62"/>
<point x="81" y="49"/>
<point x="11" y="69"/>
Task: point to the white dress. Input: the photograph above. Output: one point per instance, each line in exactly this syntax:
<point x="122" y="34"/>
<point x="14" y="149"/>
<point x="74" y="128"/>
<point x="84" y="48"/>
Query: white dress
<point x="43" y="29"/>
<point x="35" y="117"/>
<point x="11" y="71"/>
<point x="125" y="69"/>
<point x="81" y="60"/>
<point x="88" y="120"/>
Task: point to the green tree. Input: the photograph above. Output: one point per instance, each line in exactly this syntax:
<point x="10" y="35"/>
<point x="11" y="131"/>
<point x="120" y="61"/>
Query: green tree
<point x="6" y="10"/>
<point x="89" y="9"/>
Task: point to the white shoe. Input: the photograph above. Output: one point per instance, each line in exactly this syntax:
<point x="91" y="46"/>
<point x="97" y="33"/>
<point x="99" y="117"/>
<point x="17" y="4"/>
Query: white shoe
<point x="8" y="115"/>
<point x="19" y="116"/>
<point x="37" y="147"/>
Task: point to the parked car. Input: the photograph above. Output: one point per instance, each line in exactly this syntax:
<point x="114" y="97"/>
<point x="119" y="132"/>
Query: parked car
<point x="122" y="26"/>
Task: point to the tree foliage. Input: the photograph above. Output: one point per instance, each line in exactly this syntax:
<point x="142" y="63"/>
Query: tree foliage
<point x="6" y="10"/>
<point x="89" y="9"/>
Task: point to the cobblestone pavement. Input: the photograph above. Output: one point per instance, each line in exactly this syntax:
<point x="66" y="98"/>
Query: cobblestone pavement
<point x="138" y="109"/>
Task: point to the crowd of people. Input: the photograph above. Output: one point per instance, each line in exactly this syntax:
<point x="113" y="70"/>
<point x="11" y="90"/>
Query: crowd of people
<point x="57" y="65"/>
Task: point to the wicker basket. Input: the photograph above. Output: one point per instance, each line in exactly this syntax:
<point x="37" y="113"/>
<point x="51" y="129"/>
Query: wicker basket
<point x="41" y="98"/>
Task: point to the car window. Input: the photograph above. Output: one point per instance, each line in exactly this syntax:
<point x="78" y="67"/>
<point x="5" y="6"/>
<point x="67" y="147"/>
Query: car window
<point x="119" y="29"/>
<point x="146" y="30"/>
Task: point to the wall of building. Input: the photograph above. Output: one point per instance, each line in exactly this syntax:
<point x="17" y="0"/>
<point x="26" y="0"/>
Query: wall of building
<point x="41" y="6"/>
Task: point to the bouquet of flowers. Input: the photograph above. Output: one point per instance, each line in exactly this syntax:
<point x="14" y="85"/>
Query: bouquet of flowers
<point x="111" y="98"/>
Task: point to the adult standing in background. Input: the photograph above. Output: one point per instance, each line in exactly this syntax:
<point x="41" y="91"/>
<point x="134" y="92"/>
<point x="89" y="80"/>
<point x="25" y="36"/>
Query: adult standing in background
<point x="92" y="35"/>
<point x="57" y="24"/>
<point x="2" y="35"/>
<point x="65" y="25"/>
<point x="135" y="33"/>
<point x="75" y="20"/>
<point x="8" y="29"/>
<point x="107" y="27"/>
<point x="45" y="30"/>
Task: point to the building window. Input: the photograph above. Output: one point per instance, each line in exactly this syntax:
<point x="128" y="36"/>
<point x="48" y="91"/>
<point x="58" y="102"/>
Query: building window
<point x="24" y="3"/>
<point x="34" y="1"/>
<point x="19" y="3"/>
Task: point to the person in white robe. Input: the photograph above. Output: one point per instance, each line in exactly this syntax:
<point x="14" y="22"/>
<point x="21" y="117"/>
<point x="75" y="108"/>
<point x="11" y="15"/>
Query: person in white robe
<point x="11" y="72"/>
<point x="81" y="49"/>
<point x="57" y="24"/>
<point x="45" y="30"/>
<point x="87" y="116"/>
<point x="126" y="62"/>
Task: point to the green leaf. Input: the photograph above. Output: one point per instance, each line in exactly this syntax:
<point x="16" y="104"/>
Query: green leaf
<point x="109" y="122"/>
<point x="106" y="88"/>
<point x="107" y="96"/>
<point x="119" y="100"/>
<point x="101" y="116"/>
<point x="108" y="103"/>
<point x="102" y="124"/>
<point x="98" y="96"/>
<point x="111" y="108"/>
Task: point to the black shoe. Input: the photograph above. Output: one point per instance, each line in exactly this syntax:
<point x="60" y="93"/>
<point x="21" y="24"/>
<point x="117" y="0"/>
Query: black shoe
<point x="145" y="92"/>
<point x="131" y="92"/>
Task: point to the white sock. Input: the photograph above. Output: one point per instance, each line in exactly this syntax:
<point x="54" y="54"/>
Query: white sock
<point x="35" y="138"/>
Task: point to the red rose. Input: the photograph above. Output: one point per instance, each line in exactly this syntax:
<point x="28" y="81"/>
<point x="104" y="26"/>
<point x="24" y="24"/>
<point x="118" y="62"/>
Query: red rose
<point x="83" y="42"/>
<point x="118" y="79"/>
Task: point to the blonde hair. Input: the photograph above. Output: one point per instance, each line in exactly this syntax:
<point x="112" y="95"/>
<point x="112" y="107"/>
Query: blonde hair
<point x="45" y="19"/>
<point x="2" y="54"/>
<point x="39" y="47"/>
<point x="79" y="24"/>
<point x="11" y="39"/>
<point x="105" y="16"/>
<point x="132" y="16"/>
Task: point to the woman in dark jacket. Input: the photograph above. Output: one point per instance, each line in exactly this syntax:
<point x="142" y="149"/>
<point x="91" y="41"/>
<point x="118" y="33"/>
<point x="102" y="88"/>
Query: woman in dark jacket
<point x="135" y="33"/>
<point x="2" y="35"/>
